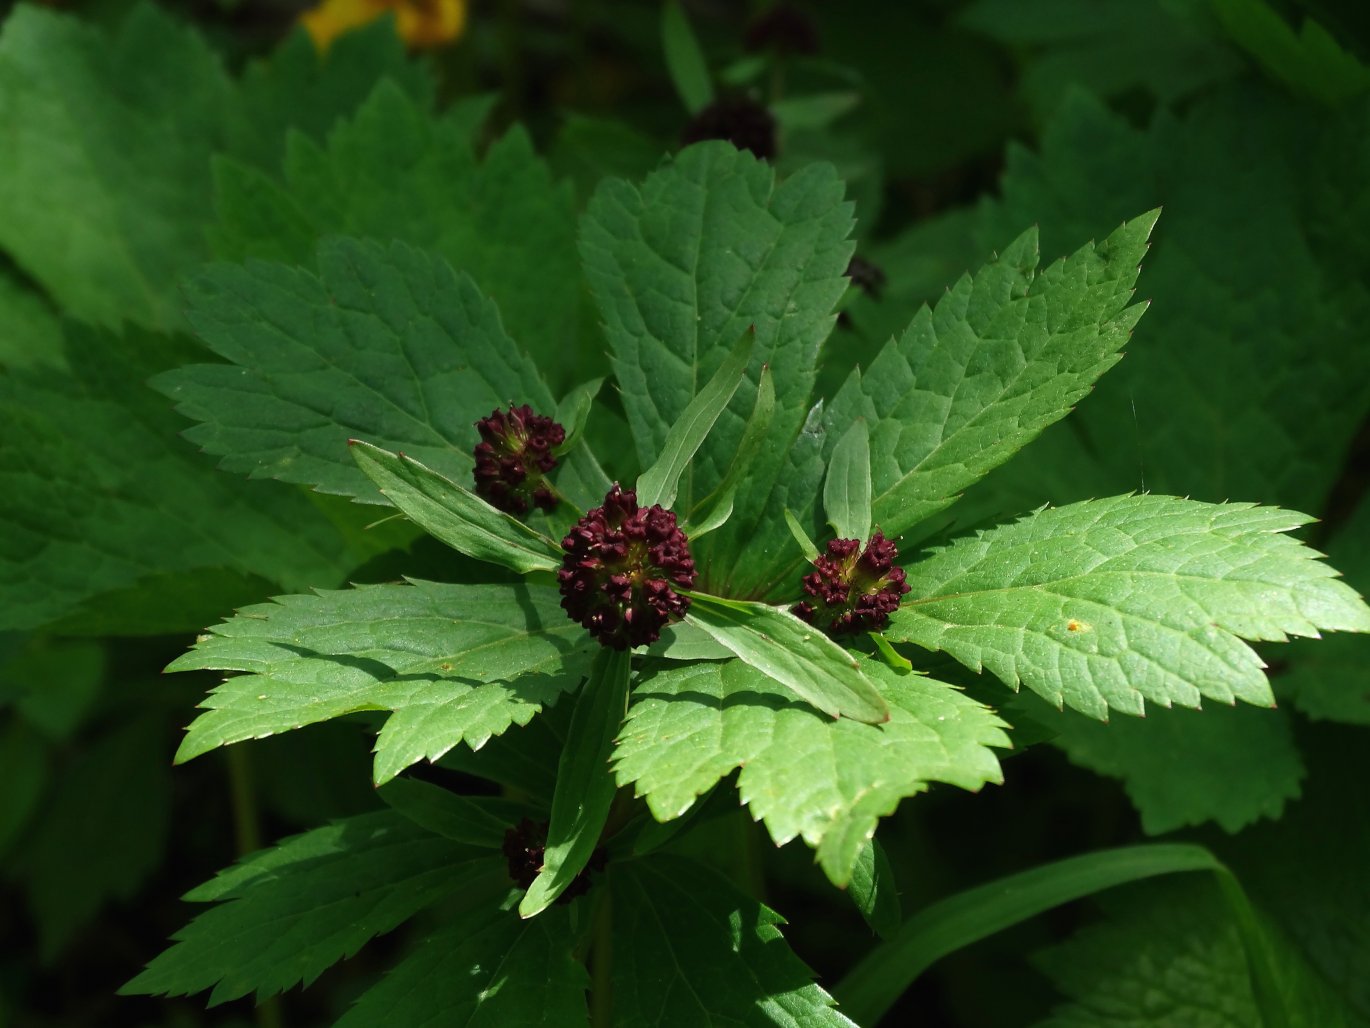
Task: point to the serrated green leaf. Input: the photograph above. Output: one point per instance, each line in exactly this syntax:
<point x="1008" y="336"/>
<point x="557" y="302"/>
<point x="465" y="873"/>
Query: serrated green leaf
<point x="794" y="654"/>
<point x="504" y="972"/>
<point x="1176" y="942"/>
<point x="385" y="343"/>
<point x="1180" y="767"/>
<point x="300" y="88"/>
<point x="684" y="59"/>
<point x="680" y="266"/>
<point x="1186" y="413"/>
<point x="471" y="820"/>
<point x="1108" y="603"/>
<point x="454" y="514"/>
<point x="1173" y="941"/>
<point x="293" y="912"/>
<point x="585" y="787"/>
<point x="106" y="516"/>
<point x="102" y="204"/>
<point x="847" y="490"/>
<point x="874" y="890"/>
<point x="689" y="949"/>
<point x="659" y="483"/>
<point x="1330" y="678"/>
<point x="1003" y="355"/>
<point x="396" y="171"/>
<point x="107" y="207"/>
<point x="469" y="661"/>
<point x="802" y="774"/>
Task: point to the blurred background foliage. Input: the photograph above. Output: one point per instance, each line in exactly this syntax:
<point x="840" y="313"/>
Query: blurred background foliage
<point x="141" y="141"/>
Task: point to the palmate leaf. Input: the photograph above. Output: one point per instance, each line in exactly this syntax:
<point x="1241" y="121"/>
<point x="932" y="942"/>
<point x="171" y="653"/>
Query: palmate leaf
<point x="1003" y="355"/>
<point x="802" y="773"/>
<point x="288" y="913"/>
<point x="456" y="663"/>
<point x="690" y="950"/>
<point x="483" y="972"/>
<point x="385" y="343"/>
<point x="1108" y="603"/>
<point x="681" y="266"/>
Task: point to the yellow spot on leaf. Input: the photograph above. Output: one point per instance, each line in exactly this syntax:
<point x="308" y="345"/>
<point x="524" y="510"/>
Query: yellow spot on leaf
<point x="1076" y="626"/>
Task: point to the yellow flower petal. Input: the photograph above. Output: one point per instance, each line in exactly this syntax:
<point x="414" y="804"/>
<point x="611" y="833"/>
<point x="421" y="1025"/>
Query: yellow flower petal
<point x="420" y="23"/>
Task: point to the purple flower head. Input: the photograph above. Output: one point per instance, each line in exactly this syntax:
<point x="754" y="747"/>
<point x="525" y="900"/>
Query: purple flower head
<point x="621" y="563"/>
<point x="513" y="457"/>
<point x="853" y="590"/>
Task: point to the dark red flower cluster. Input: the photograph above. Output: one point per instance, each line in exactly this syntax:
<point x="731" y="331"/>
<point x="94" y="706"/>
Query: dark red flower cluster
<point x="621" y="563"/>
<point x="513" y="458"/>
<point x="853" y="590"/>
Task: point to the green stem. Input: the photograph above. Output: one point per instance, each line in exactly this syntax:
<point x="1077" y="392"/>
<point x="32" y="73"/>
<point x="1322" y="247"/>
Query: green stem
<point x="601" y="964"/>
<point x="247" y="832"/>
<point x="247" y="838"/>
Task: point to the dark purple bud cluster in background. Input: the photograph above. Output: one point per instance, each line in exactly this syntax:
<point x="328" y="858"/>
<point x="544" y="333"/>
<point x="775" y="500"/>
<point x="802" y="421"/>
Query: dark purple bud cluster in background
<point x="524" y="848"/>
<point x="513" y="458"/>
<point x="738" y="119"/>
<point x="621" y="563"/>
<point x="853" y="590"/>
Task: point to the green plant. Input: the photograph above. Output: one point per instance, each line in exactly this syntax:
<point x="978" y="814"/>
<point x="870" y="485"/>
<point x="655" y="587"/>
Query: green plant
<point x="821" y="560"/>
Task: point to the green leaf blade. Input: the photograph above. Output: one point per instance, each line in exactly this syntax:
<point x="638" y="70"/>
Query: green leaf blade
<point x="585" y="788"/>
<point x="484" y="658"/>
<point x="802" y="773"/>
<point x="680" y="266"/>
<point x="684" y="59"/>
<point x="1003" y="355"/>
<point x="297" y="910"/>
<point x="694" y="950"/>
<point x="847" y="490"/>
<point x="1108" y="603"/>
<point x="483" y="972"/>
<point x="455" y="515"/>
<point x="797" y="655"/>
<point x="658" y="484"/>
<point x="384" y="343"/>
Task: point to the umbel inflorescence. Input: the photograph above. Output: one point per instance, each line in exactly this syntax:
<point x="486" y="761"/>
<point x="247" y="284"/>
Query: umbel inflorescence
<point x="853" y="590"/>
<point x="622" y="567"/>
<point x="513" y="457"/>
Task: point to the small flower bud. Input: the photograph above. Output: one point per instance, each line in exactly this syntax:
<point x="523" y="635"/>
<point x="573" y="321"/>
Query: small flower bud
<point x="853" y="590"/>
<point x="621" y="563"/>
<point x="513" y="458"/>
